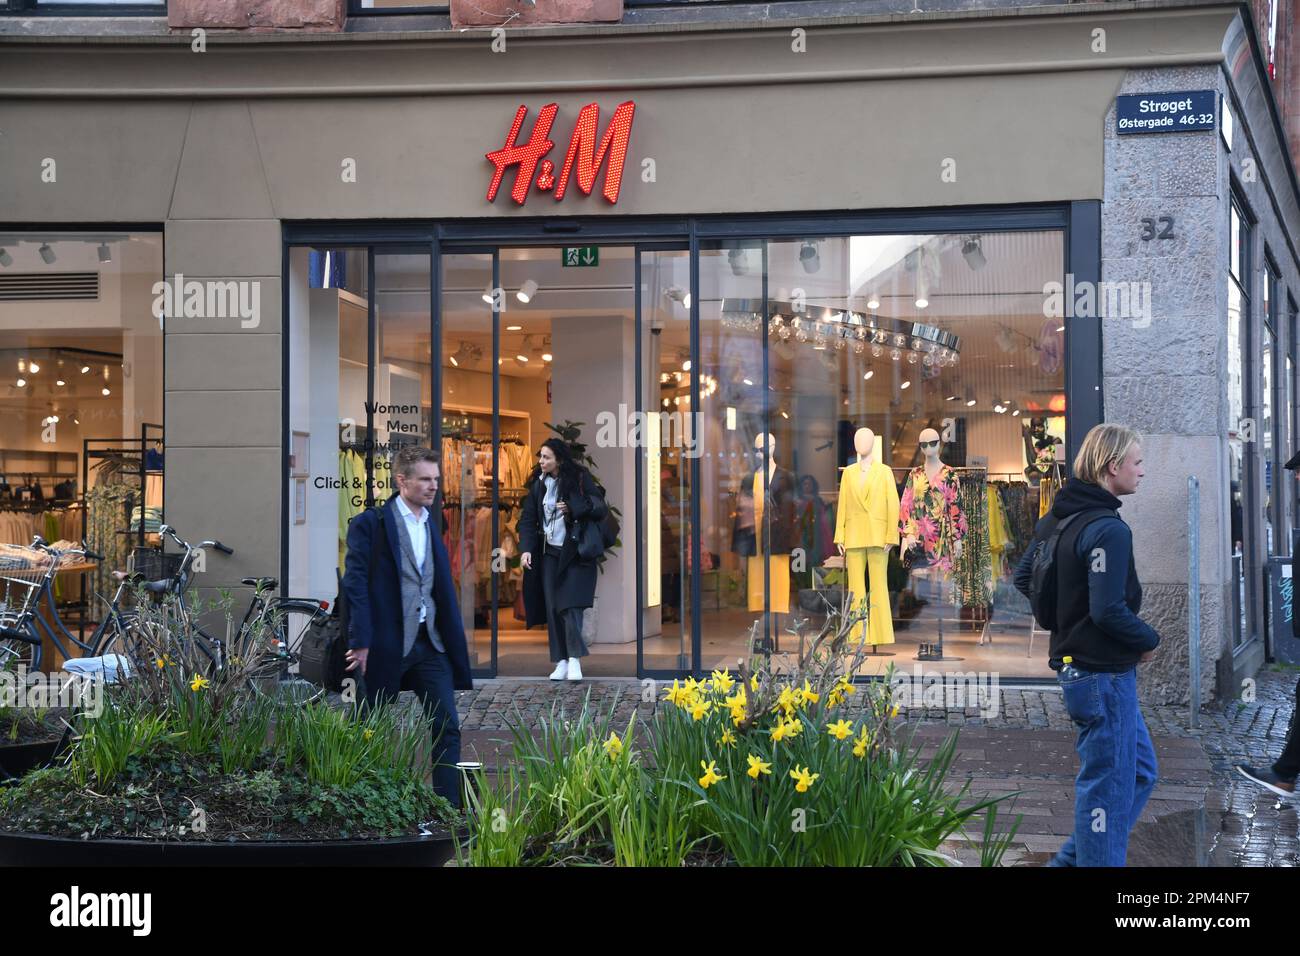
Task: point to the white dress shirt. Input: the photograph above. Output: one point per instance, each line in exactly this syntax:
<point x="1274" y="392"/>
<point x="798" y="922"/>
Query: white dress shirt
<point x="417" y="528"/>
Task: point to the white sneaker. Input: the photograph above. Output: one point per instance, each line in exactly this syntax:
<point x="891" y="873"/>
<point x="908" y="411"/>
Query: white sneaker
<point x="575" y="669"/>
<point x="561" y="669"/>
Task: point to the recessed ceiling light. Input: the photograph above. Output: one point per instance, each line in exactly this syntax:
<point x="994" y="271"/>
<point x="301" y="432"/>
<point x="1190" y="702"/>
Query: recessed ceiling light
<point x="106" y="391"/>
<point x="85" y="369"/>
<point x="21" y="383"/>
<point x="514" y="328"/>
<point x="905" y="385"/>
<point x="867" y="377"/>
<point x="60" y="382"/>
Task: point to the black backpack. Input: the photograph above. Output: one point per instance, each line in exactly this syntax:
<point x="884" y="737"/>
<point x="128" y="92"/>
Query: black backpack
<point x="1042" y="583"/>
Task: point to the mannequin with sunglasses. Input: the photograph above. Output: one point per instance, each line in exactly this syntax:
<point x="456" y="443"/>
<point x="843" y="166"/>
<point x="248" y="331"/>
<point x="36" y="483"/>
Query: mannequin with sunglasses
<point x="765" y="526"/>
<point x="866" y="527"/>
<point x="930" y="519"/>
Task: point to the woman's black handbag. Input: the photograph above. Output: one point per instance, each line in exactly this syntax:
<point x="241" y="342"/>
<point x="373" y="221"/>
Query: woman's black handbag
<point x="591" y="541"/>
<point x="322" y="656"/>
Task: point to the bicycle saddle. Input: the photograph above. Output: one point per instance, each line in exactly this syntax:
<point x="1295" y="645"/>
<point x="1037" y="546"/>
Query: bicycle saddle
<point x="268" y="583"/>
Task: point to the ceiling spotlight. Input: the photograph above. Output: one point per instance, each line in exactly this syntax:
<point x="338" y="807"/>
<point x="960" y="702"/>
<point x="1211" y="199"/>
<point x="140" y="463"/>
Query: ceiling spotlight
<point x="105" y="391"/>
<point x="867" y="376"/>
<point x="105" y="255"/>
<point x="547" y="356"/>
<point x="60" y="382"/>
<point x="906" y="384"/>
<point x="521" y="359"/>
<point x="808" y="256"/>
<point x="47" y="253"/>
<point x="451" y="359"/>
<point x="488" y="297"/>
<point x="970" y="398"/>
<point x="514" y="328"/>
<point x="686" y="366"/>
<point x="21" y="383"/>
<point x="973" y="254"/>
<point x="22" y="365"/>
<point x="34" y="368"/>
<point x="526" y="291"/>
<point x="85" y="369"/>
<point x="5" y="258"/>
<point x="1016" y="413"/>
<point x="873" y="303"/>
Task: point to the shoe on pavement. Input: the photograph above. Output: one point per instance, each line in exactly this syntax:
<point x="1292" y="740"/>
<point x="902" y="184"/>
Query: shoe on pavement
<point x="561" y="670"/>
<point x="1266" y="778"/>
<point x="575" y="669"/>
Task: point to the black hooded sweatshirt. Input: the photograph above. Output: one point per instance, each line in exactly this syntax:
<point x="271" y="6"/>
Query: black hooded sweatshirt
<point x="1097" y="589"/>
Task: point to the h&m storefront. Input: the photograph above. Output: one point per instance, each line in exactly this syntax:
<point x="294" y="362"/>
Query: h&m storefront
<point x="877" y="234"/>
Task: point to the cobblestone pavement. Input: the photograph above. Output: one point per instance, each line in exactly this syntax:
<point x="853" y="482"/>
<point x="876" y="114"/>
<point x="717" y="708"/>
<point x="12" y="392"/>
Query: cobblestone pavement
<point x="1202" y="812"/>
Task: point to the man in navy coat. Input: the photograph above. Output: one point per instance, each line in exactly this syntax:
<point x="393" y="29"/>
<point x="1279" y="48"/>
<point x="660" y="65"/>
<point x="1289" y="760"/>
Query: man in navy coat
<point x="406" y="631"/>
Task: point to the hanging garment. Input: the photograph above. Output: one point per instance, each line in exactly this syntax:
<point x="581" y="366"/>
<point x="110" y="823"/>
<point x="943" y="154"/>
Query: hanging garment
<point x="973" y="570"/>
<point x="930" y="513"/>
<point x="778" y="564"/>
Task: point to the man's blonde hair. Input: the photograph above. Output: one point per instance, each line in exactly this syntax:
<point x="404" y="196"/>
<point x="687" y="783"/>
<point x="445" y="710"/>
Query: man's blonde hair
<point x="1103" y="445"/>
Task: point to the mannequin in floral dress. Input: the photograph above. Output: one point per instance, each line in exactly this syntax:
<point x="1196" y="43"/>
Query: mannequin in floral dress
<point x="929" y="514"/>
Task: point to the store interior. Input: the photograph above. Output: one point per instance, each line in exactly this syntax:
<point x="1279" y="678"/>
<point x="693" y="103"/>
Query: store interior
<point x="81" y="402"/>
<point x="896" y="334"/>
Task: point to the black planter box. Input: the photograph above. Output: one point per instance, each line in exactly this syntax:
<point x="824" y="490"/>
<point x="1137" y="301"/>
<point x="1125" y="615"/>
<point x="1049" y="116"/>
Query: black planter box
<point x="17" y="759"/>
<point x="36" y="849"/>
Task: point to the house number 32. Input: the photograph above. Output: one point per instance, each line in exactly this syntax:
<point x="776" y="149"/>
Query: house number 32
<point x="1165" y="230"/>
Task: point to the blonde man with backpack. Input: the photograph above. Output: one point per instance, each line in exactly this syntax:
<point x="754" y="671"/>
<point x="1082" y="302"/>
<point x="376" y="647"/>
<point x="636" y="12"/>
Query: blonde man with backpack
<point x="1084" y="588"/>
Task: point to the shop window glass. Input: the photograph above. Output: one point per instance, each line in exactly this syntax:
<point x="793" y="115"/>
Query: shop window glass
<point x="81" y="401"/>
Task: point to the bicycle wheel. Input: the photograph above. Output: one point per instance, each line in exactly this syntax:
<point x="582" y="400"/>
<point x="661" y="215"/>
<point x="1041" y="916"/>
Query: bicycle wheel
<point x="284" y="689"/>
<point x="15" y="653"/>
<point x="121" y="637"/>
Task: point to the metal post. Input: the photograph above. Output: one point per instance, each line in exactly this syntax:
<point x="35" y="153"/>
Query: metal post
<point x="1194" y="595"/>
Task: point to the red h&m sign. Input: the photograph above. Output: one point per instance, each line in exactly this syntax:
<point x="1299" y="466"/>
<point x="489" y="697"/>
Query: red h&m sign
<point x="583" y="153"/>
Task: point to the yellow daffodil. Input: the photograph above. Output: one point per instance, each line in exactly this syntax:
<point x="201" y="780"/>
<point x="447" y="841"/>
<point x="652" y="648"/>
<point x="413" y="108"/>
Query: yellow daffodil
<point x="676" y="694"/>
<point x="757" y="766"/>
<point x="842" y="689"/>
<point x="787" y="701"/>
<point x="699" y="708"/>
<point x="692" y="685"/>
<point x="780" y="732"/>
<point x="753" y="682"/>
<point x="158" y="663"/>
<point x="894" y="711"/>
<point x="368" y="733"/>
<point x="807" y="695"/>
<point x="803" y="780"/>
<point x="711" y="775"/>
<point x="727" y="738"/>
<point x="199" y="683"/>
<point x="722" y="681"/>
<point x="613" y="746"/>
<point x="737" y="714"/>
<point x="861" y="743"/>
<point x="840" y="729"/>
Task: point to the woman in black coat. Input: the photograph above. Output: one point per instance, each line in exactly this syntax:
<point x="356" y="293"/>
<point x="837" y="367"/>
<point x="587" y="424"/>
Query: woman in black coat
<point x="558" y="585"/>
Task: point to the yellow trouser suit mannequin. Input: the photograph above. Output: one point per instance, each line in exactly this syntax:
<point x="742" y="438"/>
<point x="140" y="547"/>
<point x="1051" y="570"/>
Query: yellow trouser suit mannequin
<point x="865" y="525"/>
<point x="778" y="564"/>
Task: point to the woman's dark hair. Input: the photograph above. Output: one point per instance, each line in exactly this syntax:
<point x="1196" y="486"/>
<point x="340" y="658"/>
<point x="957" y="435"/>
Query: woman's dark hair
<point x="569" y="469"/>
<point x="816" y="488"/>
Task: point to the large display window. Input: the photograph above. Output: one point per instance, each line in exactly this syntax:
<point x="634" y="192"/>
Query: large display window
<point x="785" y="422"/>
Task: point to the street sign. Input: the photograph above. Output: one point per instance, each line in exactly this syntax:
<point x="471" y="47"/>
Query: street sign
<point x="1166" y="112"/>
<point x="582" y="255"/>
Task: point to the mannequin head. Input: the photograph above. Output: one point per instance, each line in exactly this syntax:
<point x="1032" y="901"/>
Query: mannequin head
<point x="761" y="441"/>
<point x="929" y="442"/>
<point x="864" y="443"/>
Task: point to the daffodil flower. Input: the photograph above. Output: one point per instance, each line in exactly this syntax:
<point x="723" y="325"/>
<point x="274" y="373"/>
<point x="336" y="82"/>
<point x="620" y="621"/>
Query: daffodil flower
<point x="711" y="775"/>
<point x="840" y="729"/>
<point x="613" y="746"/>
<point x="727" y="738"/>
<point x="676" y="694"/>
<point x="787" y="701"/>
<point x="860" y="745"/>
<point x="803" y="780"/>
<point x="199" y="683"/>
<point x="894" y="712"/>
<point x="807" y="695"/>
<point x="722" y="681"/>
<point x="368" y="733"/>
<point x="699" y="708"/>
<point x="757" y="767"/>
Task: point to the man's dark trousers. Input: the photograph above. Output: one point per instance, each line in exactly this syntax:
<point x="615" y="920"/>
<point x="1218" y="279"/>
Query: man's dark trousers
<point x="427" y="672"/>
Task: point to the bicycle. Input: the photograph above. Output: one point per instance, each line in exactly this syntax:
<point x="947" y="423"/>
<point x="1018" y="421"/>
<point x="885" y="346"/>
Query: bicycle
<point x="22" y="628"/>
<point x="272" y="675"/>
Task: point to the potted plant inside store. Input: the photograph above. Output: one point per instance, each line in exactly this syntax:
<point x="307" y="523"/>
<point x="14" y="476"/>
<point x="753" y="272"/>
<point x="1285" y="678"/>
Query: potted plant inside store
<point x="187" y="764"/>
<point x="718" y="773"/>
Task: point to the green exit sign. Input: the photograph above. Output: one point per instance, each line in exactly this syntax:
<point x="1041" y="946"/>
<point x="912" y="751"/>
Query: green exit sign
<point x="582" y="255"/>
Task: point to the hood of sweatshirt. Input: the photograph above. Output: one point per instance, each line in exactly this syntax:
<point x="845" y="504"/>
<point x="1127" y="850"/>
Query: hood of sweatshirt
<point x="1076" y="496"/>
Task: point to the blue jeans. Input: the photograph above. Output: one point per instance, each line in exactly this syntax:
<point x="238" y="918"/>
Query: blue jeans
<point x="1117" y="767"/>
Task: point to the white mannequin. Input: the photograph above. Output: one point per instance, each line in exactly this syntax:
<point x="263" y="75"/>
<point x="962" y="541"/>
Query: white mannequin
<point x="864" y="443"/>
<point x="933" y="466"/>
<point x="771" y="452"/>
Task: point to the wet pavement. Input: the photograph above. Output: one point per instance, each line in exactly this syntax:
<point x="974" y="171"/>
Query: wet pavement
<point x="1202" y="812"/>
